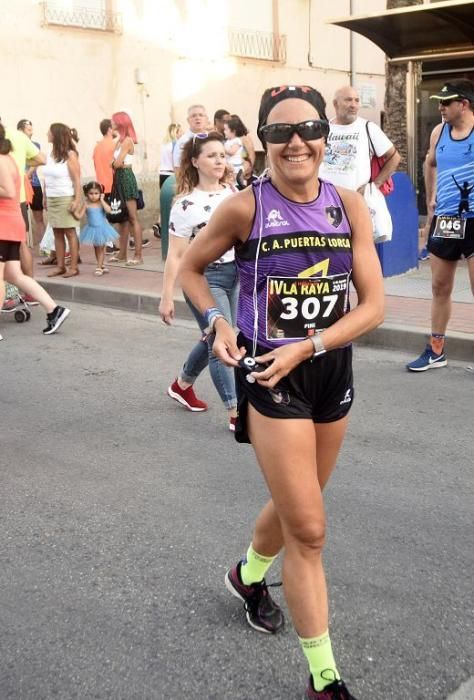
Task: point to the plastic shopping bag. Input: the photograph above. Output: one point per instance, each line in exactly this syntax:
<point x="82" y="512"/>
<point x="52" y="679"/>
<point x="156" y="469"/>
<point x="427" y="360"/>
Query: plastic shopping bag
<point x="382" y="226"/>
<point x="47" y="242"/>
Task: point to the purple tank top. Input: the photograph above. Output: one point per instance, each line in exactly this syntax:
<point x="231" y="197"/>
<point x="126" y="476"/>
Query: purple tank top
<point x="303" y="268"/>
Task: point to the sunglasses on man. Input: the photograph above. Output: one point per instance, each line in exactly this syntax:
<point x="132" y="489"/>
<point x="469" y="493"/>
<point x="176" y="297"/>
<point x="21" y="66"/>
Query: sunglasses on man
<point x="446" y="103"/>
<point x="309" y="130"/>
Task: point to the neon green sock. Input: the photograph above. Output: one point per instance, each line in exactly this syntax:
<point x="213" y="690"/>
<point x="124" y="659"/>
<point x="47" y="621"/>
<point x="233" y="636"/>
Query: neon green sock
<point x="254" y="567"/>
<point x="322" y="666"/>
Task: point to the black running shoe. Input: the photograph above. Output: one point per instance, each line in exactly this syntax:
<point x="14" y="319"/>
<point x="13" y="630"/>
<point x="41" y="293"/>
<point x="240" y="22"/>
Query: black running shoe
<point x="56" y="319"/>
<point x="110" y="249"/>
<point x="335" y="691"/>
<point x="263" y="614"/>
<point x="156" y="230"/>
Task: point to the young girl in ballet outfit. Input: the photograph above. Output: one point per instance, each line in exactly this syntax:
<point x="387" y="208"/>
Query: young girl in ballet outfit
<point x="97" y="232"/>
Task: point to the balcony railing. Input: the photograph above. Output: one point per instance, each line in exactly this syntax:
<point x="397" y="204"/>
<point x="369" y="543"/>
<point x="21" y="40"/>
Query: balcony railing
<point x="81" y="17"/>
<point x="264" y="46"/>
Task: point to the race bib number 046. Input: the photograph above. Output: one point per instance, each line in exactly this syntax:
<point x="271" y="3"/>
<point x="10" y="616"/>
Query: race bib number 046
<point x="450" y="227"/>
<point x="300" y="306"/>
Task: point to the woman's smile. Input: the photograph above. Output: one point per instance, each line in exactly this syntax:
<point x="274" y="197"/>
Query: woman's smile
<point x="297" y="158"/>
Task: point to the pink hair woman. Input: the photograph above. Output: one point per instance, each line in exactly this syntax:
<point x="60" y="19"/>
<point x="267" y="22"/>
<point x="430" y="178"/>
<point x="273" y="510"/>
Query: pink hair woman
<point x="123" y="170"/>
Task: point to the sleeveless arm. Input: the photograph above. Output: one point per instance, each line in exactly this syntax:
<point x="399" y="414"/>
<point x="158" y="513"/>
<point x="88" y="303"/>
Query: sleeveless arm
<point x="366" y="276"/>
<point x="430" y="171"/>
<point x="75" y="175"/>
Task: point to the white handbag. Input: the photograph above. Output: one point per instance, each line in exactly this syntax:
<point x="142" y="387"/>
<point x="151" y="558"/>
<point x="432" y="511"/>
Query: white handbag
<point x="382" y="226"/>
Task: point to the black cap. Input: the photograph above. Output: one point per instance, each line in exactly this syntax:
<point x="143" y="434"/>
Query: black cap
<point x="453" y="91"/>
<point x="273" y="96"/>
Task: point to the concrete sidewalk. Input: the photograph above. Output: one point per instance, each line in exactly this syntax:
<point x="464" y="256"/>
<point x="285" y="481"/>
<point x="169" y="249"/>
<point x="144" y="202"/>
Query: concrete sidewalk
<point x="407" y="318"/>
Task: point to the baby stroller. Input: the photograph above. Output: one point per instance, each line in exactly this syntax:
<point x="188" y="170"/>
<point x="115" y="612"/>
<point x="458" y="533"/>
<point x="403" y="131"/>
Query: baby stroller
<point x="20" y="308"/>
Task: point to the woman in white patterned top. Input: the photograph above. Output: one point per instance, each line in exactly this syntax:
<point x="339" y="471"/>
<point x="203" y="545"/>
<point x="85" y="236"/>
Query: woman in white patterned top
<point x="201" y="187"/>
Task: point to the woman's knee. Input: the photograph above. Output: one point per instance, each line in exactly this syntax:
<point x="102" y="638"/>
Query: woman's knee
<point x="13" y="274"/>
<point x="307" y="535"/>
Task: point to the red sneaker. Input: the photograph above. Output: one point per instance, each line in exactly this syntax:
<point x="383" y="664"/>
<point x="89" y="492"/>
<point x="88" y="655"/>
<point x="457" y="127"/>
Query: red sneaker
<point x="10" y="305"/>
<point x="232" y="422"/>
<point x="186" y="397"/>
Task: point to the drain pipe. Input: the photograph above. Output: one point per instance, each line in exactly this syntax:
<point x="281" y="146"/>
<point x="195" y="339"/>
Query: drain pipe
<point x="351" y="46"/>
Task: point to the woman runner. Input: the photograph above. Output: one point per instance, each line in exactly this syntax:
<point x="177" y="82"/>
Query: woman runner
<point x="298" y="242"/>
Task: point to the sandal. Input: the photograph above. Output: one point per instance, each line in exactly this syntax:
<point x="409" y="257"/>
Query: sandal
<point x="105" y="270"/>
<point x="99" y="271"/>
<point x="132" y="263"/>
<point x="57" y="273"/>
<point x="116" y="259"/>
<point x="71" y="273"/>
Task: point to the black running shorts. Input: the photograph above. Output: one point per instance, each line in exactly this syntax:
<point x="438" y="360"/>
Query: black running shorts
<point x="9" y="250"/>
<point x="320" y="389"/>
<point x="451" y="249"/>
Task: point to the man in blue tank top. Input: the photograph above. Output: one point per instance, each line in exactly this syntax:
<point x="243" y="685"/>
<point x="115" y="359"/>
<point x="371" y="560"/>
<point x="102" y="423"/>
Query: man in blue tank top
<point x="449" y="180"/>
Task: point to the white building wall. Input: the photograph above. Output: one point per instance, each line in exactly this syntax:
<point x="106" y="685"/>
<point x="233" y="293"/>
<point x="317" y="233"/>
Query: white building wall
<point x="79" y="76"/>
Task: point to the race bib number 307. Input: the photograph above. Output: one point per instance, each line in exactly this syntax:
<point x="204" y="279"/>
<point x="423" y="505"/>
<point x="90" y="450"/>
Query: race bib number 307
<point x="299" y="306"/>
<point x="453" y="227"/>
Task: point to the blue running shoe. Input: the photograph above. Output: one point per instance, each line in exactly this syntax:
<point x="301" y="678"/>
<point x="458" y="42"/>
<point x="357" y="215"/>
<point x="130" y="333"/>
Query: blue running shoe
<point x="423" y="254"/>
<point x="427" y="360"/>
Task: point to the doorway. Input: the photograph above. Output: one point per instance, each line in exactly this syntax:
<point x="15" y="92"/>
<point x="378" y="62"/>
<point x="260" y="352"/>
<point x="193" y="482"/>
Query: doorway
<point x="433" y="75"/>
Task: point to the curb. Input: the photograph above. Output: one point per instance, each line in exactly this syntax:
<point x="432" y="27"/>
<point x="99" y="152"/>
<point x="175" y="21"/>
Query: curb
<point x="391" y="336"/>
<point x="460" y="346"/>
<point x="464" y="692"/>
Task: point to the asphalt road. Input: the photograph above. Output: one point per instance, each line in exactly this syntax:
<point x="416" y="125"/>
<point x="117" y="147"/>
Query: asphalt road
<point x="120" y="513"/>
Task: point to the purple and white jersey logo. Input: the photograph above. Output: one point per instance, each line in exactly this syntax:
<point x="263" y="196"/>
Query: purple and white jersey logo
<point x="275" y="219"/>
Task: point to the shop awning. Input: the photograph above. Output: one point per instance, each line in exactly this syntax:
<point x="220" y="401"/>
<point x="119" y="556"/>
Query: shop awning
<point x="419" y="32"/>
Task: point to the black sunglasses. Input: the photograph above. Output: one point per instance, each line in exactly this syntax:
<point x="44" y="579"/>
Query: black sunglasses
<point x="446" y="103"/>
<point x="310" y="130"/>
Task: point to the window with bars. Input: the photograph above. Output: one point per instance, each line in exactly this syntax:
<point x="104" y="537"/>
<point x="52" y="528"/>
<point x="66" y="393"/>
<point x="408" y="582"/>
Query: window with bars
<point x="265" y="46"/>
<point x="83" y="14"/>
